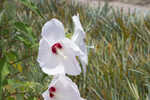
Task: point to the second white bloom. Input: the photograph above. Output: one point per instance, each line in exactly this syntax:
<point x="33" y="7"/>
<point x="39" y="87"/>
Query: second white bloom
<point x="62" y="88"/>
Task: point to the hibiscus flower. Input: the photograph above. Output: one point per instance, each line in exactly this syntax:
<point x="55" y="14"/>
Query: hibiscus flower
<point x="62" y="88"/>
<point x="57" y="54"/>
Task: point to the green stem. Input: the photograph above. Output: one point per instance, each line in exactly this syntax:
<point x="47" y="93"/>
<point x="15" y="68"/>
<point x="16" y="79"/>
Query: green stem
<point x="2" y="62"/>
<point x="1" y="4"/>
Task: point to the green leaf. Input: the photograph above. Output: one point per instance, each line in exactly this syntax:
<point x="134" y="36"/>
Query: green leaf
<point x="32" y="6"/>
<point x="25" y="41"/>
<point x="15" y="84"/>
<point x="11" y="56"/>
<point x="27" y="35"/>
<point x="21" y="26"/>
<point x="20" y="97"/>
<point x="1" y="15"/>
<point x="10" y="98"/>
<point x="5" y="71"/>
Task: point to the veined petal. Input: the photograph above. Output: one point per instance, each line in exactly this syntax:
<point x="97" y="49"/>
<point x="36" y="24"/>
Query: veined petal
<point x="66" y="89"/>
<point x="53" y="30"/>
<point x="77" y="23"/>
<point x="54" y="71"/>
<point x="70" y="44"/>
<point x="70" y="63"/>
<point x="46" y="58"/>
<point x="79" y="34"/>
<point x="79" y="38"/>
<point x="46" y="95"/>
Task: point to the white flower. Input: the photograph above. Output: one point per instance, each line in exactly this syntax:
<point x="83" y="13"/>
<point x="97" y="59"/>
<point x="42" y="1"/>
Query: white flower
<point x="62" y="88"/>
<point x="79" y="38"/>
<point x="57" y="54"/>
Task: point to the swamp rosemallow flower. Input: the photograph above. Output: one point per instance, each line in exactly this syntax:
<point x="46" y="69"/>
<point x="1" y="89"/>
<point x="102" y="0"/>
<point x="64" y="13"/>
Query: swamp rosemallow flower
<point x="62" y="88"/>
<point x="57" y="54"/>
<point x="79" y="38"/>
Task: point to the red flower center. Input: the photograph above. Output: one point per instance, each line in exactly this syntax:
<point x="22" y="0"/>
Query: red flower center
<point x="55" y="47"/>
<point x="51" y="90"/>
<point x="51" y="95"/>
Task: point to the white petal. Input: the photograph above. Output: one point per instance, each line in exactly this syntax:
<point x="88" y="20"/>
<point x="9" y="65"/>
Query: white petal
<point x="77" y="23"/>
<point x="66" y="89"/>
<point x="46" y="95"/>
<point x="46" y="58"/>
<point x="70" y="44"/>
<point x="83" y="99"/>
<point x="53" y="30"/>
<point x="54" y="71"/>
<point x="78" y="38"/>
<point x="71" y="65"/>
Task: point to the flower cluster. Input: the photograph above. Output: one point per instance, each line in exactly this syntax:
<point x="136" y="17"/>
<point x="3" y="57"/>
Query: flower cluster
<point x="57" y="57"/>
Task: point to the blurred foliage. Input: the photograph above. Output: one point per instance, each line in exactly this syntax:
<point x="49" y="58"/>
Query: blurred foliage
<point x="119" y="65"/>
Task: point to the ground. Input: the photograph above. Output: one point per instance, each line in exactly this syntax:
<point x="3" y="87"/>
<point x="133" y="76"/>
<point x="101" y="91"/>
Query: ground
<point x="135" y="2"/>
<point x="142" y="6"/>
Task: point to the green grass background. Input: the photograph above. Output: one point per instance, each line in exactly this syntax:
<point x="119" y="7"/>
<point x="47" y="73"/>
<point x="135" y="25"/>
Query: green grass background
<point x="119" y="65"/>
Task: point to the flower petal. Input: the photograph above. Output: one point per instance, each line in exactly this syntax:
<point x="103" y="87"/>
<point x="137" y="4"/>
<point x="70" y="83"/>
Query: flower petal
<point x="46" y="95"/>
<point x="83" y="99"/>
<point x="71" y="65"/>
<point x="66" y="89"/>
<point x="53" y="30"/>
<point x="54" y="71"/>
<point x="46" y="58"/>
<point x="70" y="44"/>
<point x="77" y="23"/>
<point x="79" y="38"/>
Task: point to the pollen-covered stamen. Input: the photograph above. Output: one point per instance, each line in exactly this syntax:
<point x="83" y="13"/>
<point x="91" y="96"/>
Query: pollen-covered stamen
<point x="51" y="91"/>
<point x="55" y="47"/>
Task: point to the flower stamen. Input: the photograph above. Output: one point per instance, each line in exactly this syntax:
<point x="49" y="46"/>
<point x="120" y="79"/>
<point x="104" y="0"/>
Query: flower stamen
<point x="61" y="54"/>
<point x="56" y="49"/>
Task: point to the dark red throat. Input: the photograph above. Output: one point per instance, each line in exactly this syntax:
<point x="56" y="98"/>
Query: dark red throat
<point x="51" y="91"/>
<point x="55" y="47"/>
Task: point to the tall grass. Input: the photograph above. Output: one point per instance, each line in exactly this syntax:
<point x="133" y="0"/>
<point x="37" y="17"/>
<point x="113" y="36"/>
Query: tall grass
<point x="119" y="65"/>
